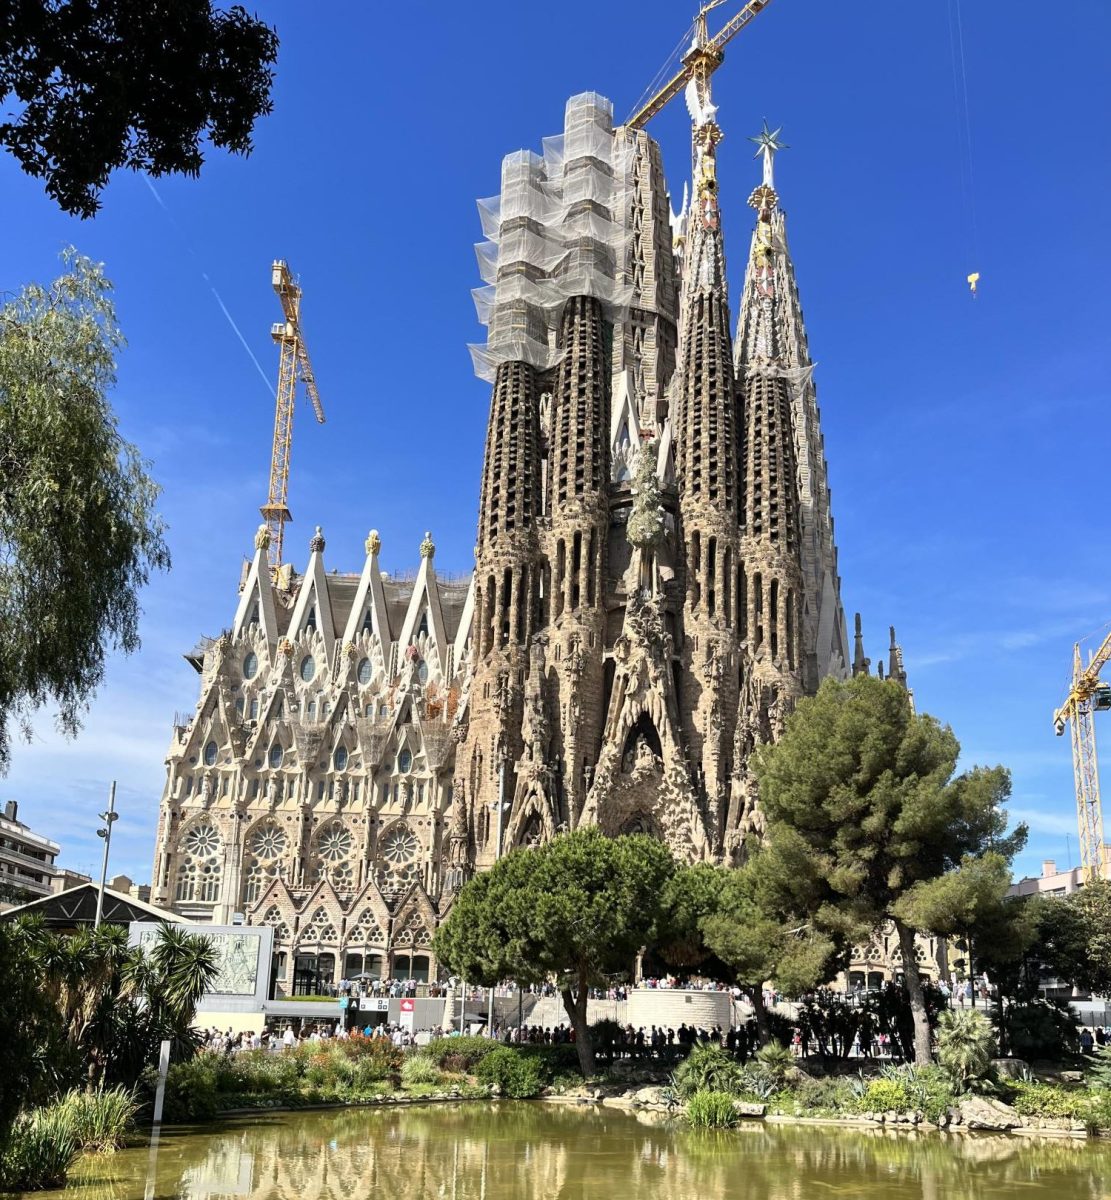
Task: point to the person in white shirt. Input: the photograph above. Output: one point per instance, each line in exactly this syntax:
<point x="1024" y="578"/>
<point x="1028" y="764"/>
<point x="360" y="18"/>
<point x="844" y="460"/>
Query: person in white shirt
<point x="289" y="1038"/>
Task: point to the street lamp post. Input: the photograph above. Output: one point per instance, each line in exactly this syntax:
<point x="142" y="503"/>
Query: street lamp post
<point x="105" y="831"/>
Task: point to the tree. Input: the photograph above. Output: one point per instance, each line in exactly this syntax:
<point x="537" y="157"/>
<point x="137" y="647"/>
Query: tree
<point x="128" y="83"/>
<point x="78" y="531"/>
<point x="578" y="908"/>
<point x="32" y="1045"/>
<point x="760" y="944"/>
<point x="115" y="1003"/>
<point x="1075" y="937"/>
<point x="866" y="823"/>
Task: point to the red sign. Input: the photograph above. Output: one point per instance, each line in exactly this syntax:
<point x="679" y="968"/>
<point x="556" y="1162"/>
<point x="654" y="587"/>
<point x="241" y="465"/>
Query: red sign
<point x="408" y="1006"/>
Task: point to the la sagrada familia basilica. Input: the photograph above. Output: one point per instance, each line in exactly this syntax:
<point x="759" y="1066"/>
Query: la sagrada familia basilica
<point x="655" y="585"/>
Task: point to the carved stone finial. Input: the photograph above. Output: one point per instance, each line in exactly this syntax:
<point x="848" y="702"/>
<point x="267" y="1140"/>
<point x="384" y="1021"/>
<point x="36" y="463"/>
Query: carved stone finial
<point x="285" y="646"/>
<point x="316" y="542"/>
<point x="373" y="542"/>
<point x="262" y="538"/>
<point x="428" y="546"/>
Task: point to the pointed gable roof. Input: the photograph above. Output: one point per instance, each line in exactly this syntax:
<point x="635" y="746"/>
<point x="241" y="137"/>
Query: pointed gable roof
<point x="258" y="590"/>
<point x="370" y="598"/>
<point x="314" y="598"/>
<point x="426" y="595"/>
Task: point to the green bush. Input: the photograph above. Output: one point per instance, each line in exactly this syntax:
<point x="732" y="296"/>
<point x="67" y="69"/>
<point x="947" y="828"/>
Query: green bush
<point x="40" y="1148"/>
<point x="1049" y="1100"/>
<point x="1041" y="1029"/>
<point x="965" y="1045"/>
<point x="1098" y="1115"/>
<point x="514" y="1071"/>
<point x="887" y="1095"/>
<point x="824" y="1096"/>
<point x="460" y="1054"/>
<point x="1099" y="1074"/>
<point x="418" y="1071"/>
<point x="711" y="1110"/>
<point x="101" y="1120"/>
<point x="776" y="1062"/>
<point x="708" y="1068"/>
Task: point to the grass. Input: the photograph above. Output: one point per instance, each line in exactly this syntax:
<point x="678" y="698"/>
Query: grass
<point x="711" y="1110"/>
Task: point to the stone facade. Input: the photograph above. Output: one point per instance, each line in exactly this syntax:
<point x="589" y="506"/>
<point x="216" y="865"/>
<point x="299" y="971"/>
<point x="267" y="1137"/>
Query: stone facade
<point x="655" y="585"/>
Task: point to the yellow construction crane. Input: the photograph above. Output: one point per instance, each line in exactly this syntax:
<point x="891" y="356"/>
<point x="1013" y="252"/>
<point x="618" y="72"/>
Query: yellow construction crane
<point x="700" y="61"/>
<point x="294" y="365"/>
<point x="1087" y="696"/>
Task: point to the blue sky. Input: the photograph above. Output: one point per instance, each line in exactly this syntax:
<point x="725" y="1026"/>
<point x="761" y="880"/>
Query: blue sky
<point x="967" y="440"/>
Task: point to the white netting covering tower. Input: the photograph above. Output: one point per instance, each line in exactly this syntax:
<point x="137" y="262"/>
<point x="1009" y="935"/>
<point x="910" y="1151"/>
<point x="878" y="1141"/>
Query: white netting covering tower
<point x="556" y="230"/>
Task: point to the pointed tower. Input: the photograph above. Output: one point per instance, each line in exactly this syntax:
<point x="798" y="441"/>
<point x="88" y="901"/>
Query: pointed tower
<point x="771" y="346"/>
<point x="705" y="410"/>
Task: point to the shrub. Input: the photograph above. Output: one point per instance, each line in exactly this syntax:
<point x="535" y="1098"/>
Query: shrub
<point x="887" y="1095"/>
<point x="459" y="1053"/>
<point x="40" y="1148"/>
<point x="825" y="1096"/>
<point x="100" y="1120"/>
<point x="711" y="1110"/>
<point x="517" y="1074"/>
<point x="1034" y="1099"/>
<point x="776" y="1062"/>
<point x="417" y="1070"/>
<point x="708" y="1068"/>
<point x="965" y="1044"/>
<point x="192" y="1088"/>
<point x="1098" y="1115"/>
<point x="1041" y="1029"/>
<point x="1099" y="1074"/>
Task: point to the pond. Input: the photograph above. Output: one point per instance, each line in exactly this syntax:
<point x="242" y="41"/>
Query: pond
<point x="516" y="1151"/>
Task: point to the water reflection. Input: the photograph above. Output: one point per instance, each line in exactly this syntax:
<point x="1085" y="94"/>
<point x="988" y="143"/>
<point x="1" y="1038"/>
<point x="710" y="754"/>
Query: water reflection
<point x="479" y="1152"/>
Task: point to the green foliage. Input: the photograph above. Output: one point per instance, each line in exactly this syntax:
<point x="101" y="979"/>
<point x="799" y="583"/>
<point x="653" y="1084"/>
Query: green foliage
<point x="1099" y="1073"/>
<point x="776" y="1062"/>
<point x="34" y="1058"/>
<point x="865" y="818"/>
<point x="579" y="908"/>
<point x="458" y="1053"/>
<point x="708" y="1068"/>
<point x="1076" y="937"/>
<point x="965" y="1045"/>
<point x="711" y="1110"/>
<point x="1033" y="1099"/>
<point x="119" y="84"/>
<point x="101" y="1120"/>
<point x="516" y="1074"/>
<point x="736" y="919"/>
<point x="1040" y="1029"/>
<point x="417" y="1070"/>
<point x="887" y="1095"/>
<point x="38" y="1151"/>
<point x="78" y="532"/>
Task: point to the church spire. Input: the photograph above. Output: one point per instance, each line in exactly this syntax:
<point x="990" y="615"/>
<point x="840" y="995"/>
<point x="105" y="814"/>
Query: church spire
<point x="772" y="358"/>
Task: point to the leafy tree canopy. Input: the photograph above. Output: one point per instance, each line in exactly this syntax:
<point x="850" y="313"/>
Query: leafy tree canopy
<point x="78" y="532"/>
<point x="1075" y="936"/>
<point x="867" y="824"/>
<point x="578" y="908"/>
<point x="128" y="83"/>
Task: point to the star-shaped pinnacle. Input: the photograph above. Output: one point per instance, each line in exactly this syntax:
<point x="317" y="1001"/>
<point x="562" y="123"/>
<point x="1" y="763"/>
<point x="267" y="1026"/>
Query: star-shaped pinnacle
<point x="767" y="140"/>
<point x="768" y="144"/>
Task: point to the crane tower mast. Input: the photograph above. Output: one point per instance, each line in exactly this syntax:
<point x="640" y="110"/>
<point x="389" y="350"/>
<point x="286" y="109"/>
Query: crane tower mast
<point x="1087" y="696"/>
<point x="294" y="365"/>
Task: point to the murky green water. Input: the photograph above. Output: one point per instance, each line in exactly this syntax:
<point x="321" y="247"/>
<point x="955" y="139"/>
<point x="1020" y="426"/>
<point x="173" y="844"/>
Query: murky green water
<point x="519" y="1151"/>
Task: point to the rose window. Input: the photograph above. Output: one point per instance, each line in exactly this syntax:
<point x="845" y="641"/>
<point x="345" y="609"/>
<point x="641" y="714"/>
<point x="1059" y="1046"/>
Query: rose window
<point x="335" y="844"/>
<point x="400" y="846"/>
<point x="198" y="872"/>
<point x="202" y="841"/>
<point x="269" y="841"/>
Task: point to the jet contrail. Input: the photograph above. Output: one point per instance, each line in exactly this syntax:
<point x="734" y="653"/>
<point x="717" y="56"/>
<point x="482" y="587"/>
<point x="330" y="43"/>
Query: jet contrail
<point x="211" y="287"/>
